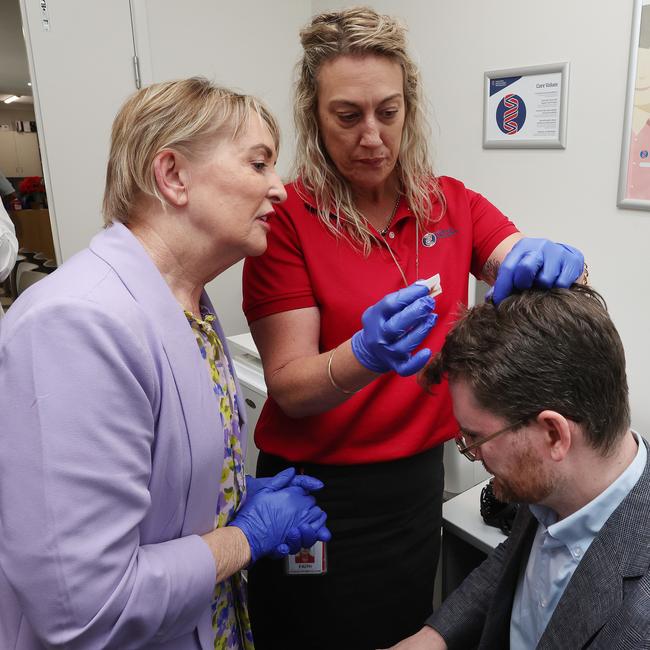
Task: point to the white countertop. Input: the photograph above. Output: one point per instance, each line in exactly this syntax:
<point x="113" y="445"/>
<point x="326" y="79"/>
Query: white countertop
<point x="462" y="517"/>
<point x="243" y="344"/>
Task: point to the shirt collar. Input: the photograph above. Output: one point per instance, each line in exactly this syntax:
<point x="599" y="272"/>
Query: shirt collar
<point x="579" y="529"/>
<point x="403" y="209"/>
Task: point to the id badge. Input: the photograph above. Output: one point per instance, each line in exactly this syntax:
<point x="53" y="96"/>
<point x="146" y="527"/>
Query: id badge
<point x="308" y="561"/>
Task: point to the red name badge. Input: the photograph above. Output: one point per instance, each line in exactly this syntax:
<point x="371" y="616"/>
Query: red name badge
<point x="309" y="561"/>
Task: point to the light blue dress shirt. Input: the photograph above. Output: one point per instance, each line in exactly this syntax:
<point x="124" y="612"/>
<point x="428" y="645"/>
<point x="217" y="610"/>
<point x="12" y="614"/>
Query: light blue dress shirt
<point x="557" y="550"/>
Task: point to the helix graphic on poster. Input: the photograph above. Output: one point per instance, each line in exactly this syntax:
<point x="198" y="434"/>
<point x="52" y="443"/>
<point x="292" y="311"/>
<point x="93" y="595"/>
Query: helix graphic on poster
<point x="511" y="114"/>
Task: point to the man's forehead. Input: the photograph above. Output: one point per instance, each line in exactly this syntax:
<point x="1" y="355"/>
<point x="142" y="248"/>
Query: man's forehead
<point x="472" y="417"/>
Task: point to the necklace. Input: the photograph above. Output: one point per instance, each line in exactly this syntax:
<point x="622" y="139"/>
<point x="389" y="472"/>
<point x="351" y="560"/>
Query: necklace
<point x="392" y="216"/>
<point x="390" y="250"/>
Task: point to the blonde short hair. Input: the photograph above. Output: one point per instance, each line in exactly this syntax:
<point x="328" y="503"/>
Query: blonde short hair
<point x="359" y="31"/>
<point x="186" y="116"/>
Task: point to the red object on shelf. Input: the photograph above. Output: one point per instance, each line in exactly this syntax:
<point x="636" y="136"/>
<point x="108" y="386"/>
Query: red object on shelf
<point x="31" y="184"/>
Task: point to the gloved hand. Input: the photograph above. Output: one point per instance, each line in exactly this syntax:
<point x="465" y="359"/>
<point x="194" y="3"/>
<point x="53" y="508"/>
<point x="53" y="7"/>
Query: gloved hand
<point x="267" y="517"/>
<point x="283" y="479"/>
<point x="539" y="263"/>
<point x="306" y="534"/>
<point x="393" y="328"/>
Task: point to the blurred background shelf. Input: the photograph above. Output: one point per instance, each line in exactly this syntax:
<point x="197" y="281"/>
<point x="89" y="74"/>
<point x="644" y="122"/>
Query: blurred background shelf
<point x="33" y="230"/>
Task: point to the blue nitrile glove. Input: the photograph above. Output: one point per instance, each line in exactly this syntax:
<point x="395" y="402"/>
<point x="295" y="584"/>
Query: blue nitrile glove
<point x="283" y="479"/>
<point x="539" y="263"/>
<point x="393" y="328"/>
<point x="268" y="516"/>
<point x="306" y="534"/>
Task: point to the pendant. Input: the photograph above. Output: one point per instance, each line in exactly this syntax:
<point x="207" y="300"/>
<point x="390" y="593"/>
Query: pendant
<point x="428" y="240"/>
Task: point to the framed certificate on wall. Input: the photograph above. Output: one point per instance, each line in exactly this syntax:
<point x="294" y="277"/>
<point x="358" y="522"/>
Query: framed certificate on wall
<point x="634" y="173"/>
<point x="526" y="107"/>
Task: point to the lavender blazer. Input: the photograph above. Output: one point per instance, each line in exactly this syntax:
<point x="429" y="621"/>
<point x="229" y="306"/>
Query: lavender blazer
<point x="111" y="449"/>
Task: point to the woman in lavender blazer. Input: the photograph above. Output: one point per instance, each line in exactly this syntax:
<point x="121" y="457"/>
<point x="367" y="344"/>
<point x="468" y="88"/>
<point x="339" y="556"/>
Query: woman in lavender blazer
<point x="125" y="517"/>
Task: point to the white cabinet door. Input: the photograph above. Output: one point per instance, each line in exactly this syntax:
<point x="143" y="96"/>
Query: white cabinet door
<point x="8" y="157"/>
<point x="19" y="154"/>
<point x="82" y="70"/>
<point x="29" y="159"/>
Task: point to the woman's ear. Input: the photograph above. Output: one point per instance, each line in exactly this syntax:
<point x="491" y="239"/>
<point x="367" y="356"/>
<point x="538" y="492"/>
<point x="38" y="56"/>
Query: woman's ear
<point x="557" y="434"/>
<point x="172" y="176"/>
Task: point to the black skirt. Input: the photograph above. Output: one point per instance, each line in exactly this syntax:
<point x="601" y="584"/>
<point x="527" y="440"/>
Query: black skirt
<point x="385" y="520"/>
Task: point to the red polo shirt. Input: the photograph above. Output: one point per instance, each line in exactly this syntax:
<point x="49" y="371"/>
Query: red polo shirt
<point x="307" y="266"/>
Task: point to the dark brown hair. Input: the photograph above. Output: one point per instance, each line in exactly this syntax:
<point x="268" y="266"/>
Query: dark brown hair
<point x="539" y="350"/>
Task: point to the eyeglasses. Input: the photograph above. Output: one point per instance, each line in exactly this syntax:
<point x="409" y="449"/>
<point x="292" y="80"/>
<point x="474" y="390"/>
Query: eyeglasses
<point x="468" y="449"/>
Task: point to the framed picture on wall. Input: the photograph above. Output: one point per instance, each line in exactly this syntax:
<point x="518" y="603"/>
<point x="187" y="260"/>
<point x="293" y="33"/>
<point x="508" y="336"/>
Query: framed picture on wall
<point x="634" y="174"/>
<point x="526" y="107"/>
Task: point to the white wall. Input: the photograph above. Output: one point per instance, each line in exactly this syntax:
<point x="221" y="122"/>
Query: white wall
<point x="251" y="46"/>
<point x="568" y="195"/>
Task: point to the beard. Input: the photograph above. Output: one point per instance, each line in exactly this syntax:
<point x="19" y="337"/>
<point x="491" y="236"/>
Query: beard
<point x="526" y="481"/>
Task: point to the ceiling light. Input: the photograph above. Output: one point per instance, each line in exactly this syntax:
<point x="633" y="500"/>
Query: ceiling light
<point x="10" y="99"/>
<point x="29" y="83"/>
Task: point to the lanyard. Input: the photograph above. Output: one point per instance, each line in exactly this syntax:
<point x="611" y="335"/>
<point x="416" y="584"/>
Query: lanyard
<point x="417" y="255"/>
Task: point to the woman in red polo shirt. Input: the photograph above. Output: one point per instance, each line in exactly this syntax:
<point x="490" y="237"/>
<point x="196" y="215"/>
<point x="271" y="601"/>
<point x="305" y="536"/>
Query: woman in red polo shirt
<point x="365" y="219"/>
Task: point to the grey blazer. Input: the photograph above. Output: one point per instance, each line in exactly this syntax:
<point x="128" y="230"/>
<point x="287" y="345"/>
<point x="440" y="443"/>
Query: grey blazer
<point x="606" y="605"/>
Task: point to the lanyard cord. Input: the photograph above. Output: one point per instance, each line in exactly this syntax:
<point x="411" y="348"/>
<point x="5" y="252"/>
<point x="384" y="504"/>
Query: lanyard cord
<point x="417" y="255"/>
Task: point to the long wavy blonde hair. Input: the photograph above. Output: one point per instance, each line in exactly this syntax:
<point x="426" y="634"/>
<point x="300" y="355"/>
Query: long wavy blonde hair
<point x="359" y="31"/>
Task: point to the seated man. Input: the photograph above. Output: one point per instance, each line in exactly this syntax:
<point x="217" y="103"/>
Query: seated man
<point x="539" y="390"/>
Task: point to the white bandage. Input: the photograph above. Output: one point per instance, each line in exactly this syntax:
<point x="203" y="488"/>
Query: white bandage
<point x="433" y="284"/>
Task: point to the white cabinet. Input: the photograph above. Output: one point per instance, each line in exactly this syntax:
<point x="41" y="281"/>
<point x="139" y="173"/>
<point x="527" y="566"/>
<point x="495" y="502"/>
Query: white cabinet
<point x="248" y="367"/>
<point x="7" y="153"/>
<point x="82" y="70"/>
<point x="29" y="159"/>
<point x="254" y="403"/>
<point x="19" y="154"/>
